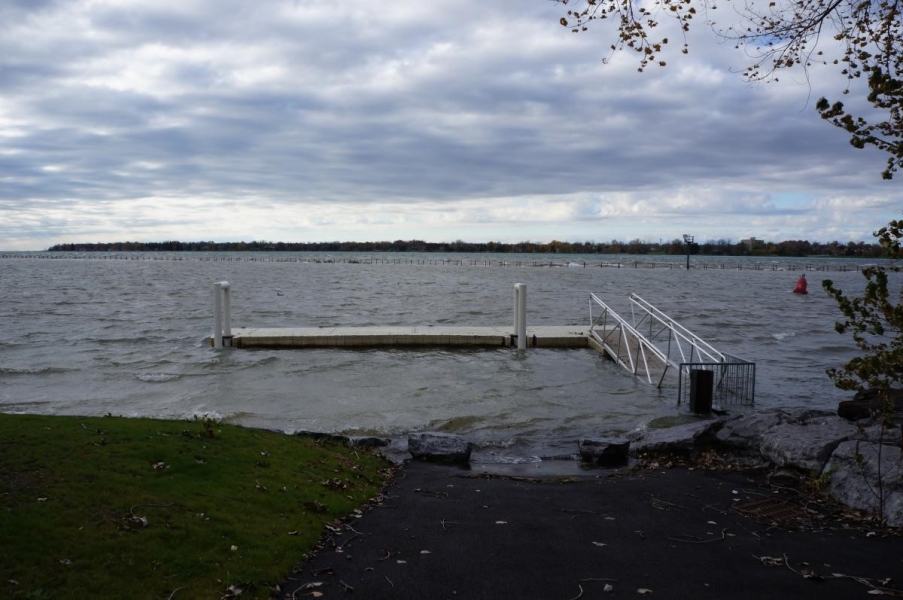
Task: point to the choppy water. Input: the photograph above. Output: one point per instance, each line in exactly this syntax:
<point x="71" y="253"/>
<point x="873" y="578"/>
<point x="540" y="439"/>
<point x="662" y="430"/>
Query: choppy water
<point x="91" y="337"/>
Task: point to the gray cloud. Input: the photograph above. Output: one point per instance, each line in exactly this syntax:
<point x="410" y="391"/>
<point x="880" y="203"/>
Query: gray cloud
<point x="482" y="121"/>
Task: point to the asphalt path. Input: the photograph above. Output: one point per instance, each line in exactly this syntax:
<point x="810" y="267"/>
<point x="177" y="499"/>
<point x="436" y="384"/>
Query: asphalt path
<point x="447" y="532"/>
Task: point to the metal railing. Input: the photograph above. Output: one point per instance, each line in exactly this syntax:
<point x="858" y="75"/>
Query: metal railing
<point x="624" y="343"/>
<point x="734" y="382"/>
<point x="655" y="334"/>
<point x="672" y="335"/>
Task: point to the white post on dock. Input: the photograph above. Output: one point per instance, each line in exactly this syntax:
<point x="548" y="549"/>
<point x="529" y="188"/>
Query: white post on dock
<point x="520" y="315"/>
<point x="222" y="314"/>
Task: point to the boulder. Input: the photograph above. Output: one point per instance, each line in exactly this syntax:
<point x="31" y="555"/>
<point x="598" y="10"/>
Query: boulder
<point x="682" y="440"/>
<point x="804" y="416"/>
<point x="867" y="402"/>
<point x="853" y="473"/>
<point x="744" y="434"/>
<point x="441" y="447"/>
<point x="608" y="452"/>
<point x="873" y="431"/>
<point x="807" y="444"/>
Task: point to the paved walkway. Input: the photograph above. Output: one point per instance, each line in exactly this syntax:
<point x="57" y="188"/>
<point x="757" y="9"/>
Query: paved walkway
<point x="444" y="532"/>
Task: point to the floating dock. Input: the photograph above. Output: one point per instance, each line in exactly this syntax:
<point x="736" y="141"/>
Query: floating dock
<point x="664" y="346"/>
<point x="552" y="336"/>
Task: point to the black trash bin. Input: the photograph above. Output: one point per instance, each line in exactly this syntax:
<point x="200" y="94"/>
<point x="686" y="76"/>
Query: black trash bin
<point x="702" y="389"/>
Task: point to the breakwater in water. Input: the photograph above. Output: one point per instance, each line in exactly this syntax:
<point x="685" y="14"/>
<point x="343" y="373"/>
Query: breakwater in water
<point x="608" y="261"/>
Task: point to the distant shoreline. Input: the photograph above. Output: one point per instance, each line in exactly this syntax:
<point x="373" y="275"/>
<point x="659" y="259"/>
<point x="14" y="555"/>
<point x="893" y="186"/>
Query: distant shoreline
<point x="793" y="248"/>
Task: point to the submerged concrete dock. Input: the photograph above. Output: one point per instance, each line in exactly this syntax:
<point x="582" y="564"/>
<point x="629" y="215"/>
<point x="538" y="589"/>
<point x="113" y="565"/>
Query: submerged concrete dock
<point x="552" y="336"/>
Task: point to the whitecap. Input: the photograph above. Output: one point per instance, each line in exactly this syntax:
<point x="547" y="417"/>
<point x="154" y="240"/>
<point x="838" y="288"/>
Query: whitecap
<point x="785" y="335"/>
<point x="157" y="377"/>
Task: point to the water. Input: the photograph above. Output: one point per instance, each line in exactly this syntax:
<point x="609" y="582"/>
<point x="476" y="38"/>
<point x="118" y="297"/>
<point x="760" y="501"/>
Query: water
<point x="126" y="337"/>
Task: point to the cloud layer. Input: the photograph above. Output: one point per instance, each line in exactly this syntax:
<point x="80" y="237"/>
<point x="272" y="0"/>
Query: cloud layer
<point x="306" y="121"/>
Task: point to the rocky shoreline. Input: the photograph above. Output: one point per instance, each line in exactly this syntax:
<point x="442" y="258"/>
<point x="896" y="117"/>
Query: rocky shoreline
<point x="858" y="463"/>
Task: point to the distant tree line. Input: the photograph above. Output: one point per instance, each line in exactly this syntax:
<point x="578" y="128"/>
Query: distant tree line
<point x="676" y="246"/>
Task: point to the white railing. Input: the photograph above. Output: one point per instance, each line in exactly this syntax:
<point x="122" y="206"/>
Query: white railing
<point x="222" y="315"/>
<point x="655" y="334"/>
<point x="626" y="346"/>
<point x="672" y="335"/>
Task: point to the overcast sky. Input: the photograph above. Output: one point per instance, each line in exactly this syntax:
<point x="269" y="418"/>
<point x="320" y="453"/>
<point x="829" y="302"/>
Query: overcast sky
<point x="230" y="120"/>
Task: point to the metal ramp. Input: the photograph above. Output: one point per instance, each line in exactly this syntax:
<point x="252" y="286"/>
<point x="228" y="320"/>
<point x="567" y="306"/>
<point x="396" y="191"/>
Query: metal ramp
<point x="654" y="344"/>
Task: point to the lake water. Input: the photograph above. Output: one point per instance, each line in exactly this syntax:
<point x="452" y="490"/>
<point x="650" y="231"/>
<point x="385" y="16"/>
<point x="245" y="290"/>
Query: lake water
<point x="99" y="335"/>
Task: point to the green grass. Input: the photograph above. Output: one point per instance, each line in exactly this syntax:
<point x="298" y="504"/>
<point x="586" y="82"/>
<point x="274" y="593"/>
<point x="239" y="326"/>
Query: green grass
<point x="139" y="508"/>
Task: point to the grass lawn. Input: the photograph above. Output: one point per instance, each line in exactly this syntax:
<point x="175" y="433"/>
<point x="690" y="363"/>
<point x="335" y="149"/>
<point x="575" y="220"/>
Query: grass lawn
<point x="111" y="507"/>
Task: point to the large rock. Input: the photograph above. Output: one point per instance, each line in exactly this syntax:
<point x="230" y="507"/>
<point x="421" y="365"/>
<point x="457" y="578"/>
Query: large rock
<point x="874" y="432"/>
<point x="608" y="452"/>
<point x="804" y="416"/>
<point x="744" y="434"/>
<point x="442" y="447"/>
<point x="853" y="473"/>
<point x="682" y="440"/>
<point x="867" y="402"/>
<point x="806" y="443"/>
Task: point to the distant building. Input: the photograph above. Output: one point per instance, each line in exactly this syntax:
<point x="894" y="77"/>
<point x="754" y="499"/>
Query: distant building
<point x="752" y="243"/>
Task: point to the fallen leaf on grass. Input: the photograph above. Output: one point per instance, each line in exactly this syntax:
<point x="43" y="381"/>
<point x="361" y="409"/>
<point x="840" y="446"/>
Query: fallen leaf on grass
<point x="140" y="520"/>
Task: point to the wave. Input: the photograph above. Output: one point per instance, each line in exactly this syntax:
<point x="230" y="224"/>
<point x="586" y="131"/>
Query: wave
<point x="158" y="377"/>
<point x="784" y="335"/>
<point x="33" y="371"/>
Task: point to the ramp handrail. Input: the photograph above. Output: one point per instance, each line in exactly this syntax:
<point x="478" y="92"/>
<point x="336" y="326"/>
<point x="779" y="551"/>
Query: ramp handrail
<point x="684" y="340"/>
<point x="627" y="338"/>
